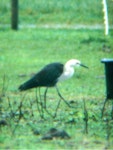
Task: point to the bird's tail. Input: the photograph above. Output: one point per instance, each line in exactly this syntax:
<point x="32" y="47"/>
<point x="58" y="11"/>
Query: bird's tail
<point x="28" y="85"/>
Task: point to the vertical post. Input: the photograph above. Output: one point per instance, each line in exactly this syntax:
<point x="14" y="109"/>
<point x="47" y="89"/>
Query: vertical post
<point x="14" y="14"/>
<point x="109" y="77"/>
<point x="109" y="82"/>
<point x="105" y="17"/>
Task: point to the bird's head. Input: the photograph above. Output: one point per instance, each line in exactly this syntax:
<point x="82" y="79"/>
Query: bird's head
<point x="74" y="63"/>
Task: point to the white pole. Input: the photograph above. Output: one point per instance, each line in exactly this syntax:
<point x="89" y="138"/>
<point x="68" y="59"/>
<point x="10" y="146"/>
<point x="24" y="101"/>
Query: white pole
<point x="105" y="17"/>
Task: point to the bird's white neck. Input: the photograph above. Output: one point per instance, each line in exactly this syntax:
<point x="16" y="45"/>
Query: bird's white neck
<point x="67" y="73"/>
<point x="68" y="70"/>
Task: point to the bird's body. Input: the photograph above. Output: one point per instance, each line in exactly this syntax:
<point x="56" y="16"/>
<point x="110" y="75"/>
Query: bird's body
<point x="51" y="74"/>
<point x="46" y="77"/>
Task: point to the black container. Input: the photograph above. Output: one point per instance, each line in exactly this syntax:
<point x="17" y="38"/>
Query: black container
<point x="109" y="77"/>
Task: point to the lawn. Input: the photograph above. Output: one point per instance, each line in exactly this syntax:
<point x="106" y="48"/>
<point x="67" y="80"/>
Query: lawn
<point x="23" y="122"/>
<point x="25" y="52"/>
<point x="54" y="12"/>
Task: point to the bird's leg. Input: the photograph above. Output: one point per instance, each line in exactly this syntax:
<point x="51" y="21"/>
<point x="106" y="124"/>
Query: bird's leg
<point x="41" y="104"/>
<point x="63" y="98"/>
<point x="45" y="97"/>
<point x="45" y="93"/>
<point x="57" y="108"/>
<point x="37" y="100"/>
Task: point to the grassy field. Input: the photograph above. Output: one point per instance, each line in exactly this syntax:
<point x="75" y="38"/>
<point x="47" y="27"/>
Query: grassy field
<point x="50" y="12"/>
<point x="24" y="53"/>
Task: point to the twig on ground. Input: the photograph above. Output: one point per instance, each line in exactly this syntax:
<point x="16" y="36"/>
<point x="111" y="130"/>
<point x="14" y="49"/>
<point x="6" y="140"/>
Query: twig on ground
<point x="85" y="116"/>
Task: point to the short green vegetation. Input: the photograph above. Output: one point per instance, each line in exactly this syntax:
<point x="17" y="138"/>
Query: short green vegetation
<point x="53" y="12"/>
<point x="24" y="52"/>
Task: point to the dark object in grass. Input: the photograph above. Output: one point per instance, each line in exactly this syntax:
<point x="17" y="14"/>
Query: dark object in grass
<point x="3" y="122"/>
<point x="36" y="132"/>
<point x="55" y="133"/>
<point x="109" y="77"/>
<point x="109" y="82"/>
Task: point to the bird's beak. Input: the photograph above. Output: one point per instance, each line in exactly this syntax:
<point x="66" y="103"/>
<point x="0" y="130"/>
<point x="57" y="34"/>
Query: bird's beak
<point x="83" y="66"/>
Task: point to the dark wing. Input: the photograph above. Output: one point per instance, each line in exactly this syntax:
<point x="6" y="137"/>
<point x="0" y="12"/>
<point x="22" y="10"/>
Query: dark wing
<point x="47" y="77"/>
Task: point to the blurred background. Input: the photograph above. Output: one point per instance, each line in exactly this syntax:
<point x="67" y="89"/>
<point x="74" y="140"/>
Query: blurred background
<point x="57" y="12"/>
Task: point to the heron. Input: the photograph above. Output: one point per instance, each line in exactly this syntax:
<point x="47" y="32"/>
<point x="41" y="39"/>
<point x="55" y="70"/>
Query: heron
<point x="50" y="75"/>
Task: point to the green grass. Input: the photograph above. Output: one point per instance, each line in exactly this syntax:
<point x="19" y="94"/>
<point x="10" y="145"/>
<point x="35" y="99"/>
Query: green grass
<point x="25" y="52"/>
<point x="69" y="12"/>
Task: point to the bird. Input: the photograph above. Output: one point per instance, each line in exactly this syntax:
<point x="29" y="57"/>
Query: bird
<point x="50" y="75"/>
